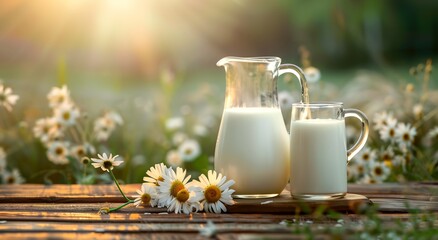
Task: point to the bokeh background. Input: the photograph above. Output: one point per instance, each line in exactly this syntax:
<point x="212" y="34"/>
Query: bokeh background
<point x="155" y="60"/>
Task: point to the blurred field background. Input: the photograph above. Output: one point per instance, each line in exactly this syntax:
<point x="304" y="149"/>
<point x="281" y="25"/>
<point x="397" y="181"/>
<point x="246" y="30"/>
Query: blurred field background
<point x="151" y="61"/>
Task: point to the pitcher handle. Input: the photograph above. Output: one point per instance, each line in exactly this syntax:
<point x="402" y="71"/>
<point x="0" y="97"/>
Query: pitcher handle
<point x="360" y="143"/>
<point x="295" y="70"/>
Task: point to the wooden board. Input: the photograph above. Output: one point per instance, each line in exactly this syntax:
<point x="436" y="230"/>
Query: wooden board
<point x="285" y="204"/>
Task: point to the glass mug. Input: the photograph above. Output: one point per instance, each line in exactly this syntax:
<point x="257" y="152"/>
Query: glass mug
<point x="318" y="148"/>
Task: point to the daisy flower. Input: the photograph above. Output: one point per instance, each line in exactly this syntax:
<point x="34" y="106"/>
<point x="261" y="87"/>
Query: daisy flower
<point x="357" y="170"/>
<point x="67" y="114"/>
<point x="382" y="119"/>
<point x="178" y="138"/>
<point x="189" y="150"/>
<point x="312" y="74"/>
<point x="147" y="195"/>
<point x="200" y="130"/>
<point x="174" y="123"/>
<point x="208" y="230"/>
<point x="47" y="129"/>
<point x="186" y="201"/>
<point x="388" y="131"/>
<point x="405" y="134"/>
<point x="379" y="171"/>
<point x="367" y="179"/>
<point x="433" y="132"/>
<point x="105" y="125"/>
<point x="106" y="163"/>
<point x="173" y="158"/>
<point x="387" y="156"/>
<point x="366" y="155"/>
<point x="115" y="117"/>
<point x="57" y="152"/>
<point x="173" y="186"/>
<point x="58" y="96"/>
<point x="156" y="174"/>
<point x="215" y="192"/>
<point x="80" y="151"/>
<point x="7" y="99"/>
<point x="13" y="177"/>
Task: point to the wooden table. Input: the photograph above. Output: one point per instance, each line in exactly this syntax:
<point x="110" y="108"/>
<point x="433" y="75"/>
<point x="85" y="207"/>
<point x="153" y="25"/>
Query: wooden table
<point x="71" y="211"/>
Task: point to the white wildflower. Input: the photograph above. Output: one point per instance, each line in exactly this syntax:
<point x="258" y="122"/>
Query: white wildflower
<point x="57" y="152"/>
<point x="173" y="158"/>
<point x="106" y="163"/>
<point x="59" y="96"/>
<point x="189" y="150"/>
<point x="405" y="134"/>
<point x="312" y="74"/>
<point x="200" y="130"/>
<point x="156" y="174"/>
<point x="366" y="155"/>
<point x="13" y="177"/>
<point x="178" y="138"/>
<point x="173" y="184"/>
<point x="66" y="114"/>
<point x="379" y="171"/>
<point x="208" y="230"/>
<point x="382" y="119"/>
<point x="174" y="123"/>
<point x="215" y="192"/>
<point x="387" y="156"/>
<point x="80" y="151"/>
<point x="388" y="131"/>
<point x="367" y="179"/>
<point x="7" y="99"/>
<point x="47" y="129"/>
<point x="146" y="196"/>
<point x="105" y="125"/>
<point x="433" y="132"/>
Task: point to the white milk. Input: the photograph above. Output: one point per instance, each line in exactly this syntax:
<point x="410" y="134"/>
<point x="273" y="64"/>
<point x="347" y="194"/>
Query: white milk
<point x="253" y="150"/>
<point x="318" y="156"/>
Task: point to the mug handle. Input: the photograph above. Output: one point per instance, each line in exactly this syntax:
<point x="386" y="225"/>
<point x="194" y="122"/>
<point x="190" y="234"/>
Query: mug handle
<point x="360" y="143"/>
<point x="295" y="70"/>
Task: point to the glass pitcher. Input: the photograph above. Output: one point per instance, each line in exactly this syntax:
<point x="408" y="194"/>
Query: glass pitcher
<point x="252" y="147"/>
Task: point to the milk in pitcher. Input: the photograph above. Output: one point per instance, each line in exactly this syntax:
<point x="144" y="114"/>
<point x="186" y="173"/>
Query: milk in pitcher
<point x="253" y="150"/>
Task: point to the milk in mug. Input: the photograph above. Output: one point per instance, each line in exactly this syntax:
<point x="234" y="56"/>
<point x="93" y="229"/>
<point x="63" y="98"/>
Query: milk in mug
<point x="253" y="150"/>
<point x="318" y="156"/>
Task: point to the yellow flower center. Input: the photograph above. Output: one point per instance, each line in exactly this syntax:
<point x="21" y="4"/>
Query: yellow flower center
<point x="212" y="194"/>
<point x="80" y="152"/>
<point x="159" y="179"/>
<point x="176" y="187"/>
<point x="188" y="151"/>
<point x="145" y="198"/>
<point x="388" y="162"/>
<point x="183" y="195"/>
<point x="66" y="116"/>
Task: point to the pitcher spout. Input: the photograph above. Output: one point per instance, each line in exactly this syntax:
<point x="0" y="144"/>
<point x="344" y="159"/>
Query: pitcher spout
<point x="229" y="59"/>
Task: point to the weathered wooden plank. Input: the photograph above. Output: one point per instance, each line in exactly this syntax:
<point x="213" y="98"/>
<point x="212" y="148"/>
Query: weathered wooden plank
<point x="138" y="227"/>
<point x="102" y="236"/>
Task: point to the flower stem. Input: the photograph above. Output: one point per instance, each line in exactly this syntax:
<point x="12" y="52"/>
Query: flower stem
<point x="118" y="186"/>
<point x="121" y="206"/>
